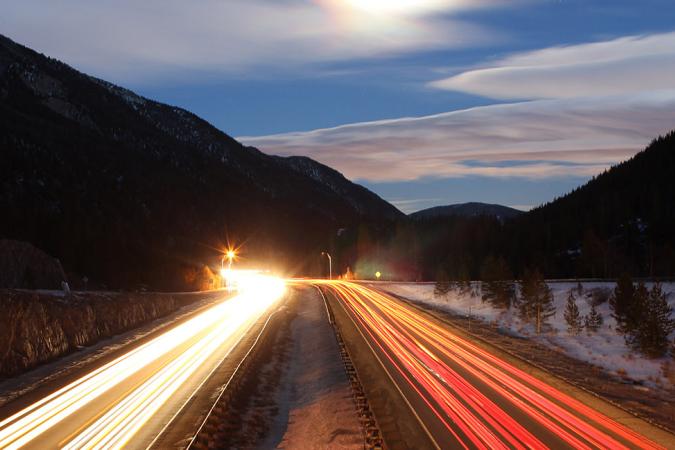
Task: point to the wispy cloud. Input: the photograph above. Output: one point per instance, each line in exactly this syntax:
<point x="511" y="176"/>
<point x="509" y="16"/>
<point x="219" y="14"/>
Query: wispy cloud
<point x="620" y="66"/>
<point x="536" y="140"/>
<point x="128" y="40"/>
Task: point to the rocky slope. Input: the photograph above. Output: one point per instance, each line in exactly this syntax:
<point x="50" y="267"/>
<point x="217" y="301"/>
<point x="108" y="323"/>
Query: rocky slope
<point x="24" y="266"/>
<point x="37" y="328"/>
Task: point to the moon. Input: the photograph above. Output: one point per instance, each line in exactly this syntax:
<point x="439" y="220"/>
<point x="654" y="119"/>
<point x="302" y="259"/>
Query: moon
<point x="395" y="6"/>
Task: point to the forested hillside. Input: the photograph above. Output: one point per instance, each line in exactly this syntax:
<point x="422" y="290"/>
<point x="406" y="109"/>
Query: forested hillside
<point x="471" y="209"/>
<point x="623" y="220"/>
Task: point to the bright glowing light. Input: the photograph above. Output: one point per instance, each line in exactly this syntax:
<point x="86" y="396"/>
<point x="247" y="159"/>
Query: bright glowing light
<point x="378" y="275"/>
<point x="231" y="254"/>
<point x="118" y="422"/>
<point x="253" y="282"/>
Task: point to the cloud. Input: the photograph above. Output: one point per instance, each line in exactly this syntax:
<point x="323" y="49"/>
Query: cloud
<point x="620" y="66"/>
<point x="535" y="140"/>
<point x="408" y="7"/>
<point x="127" y="40"/>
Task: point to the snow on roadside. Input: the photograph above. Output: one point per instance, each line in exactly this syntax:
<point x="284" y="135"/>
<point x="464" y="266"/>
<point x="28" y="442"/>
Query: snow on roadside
<point x="605" y="348"/>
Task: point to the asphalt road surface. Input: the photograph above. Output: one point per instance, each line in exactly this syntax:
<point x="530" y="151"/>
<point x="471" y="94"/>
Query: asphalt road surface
<point x="464" y="396"/>
<point x="128" y="402"/>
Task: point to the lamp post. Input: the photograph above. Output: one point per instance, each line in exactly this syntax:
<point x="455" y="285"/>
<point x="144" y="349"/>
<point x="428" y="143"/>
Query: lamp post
<point x="330" y="265"/>
<point x="230" y="257"/>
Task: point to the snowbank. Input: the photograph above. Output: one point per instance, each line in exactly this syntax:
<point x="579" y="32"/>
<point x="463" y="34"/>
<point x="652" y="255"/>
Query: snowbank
<point x="605" y="348"/>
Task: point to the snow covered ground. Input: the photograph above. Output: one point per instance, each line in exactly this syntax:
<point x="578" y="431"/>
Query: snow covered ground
<point x="605" y="348"/>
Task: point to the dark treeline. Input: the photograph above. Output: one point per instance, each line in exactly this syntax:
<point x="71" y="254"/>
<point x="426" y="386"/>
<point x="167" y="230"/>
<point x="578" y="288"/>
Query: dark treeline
<point x="622" y="221"/>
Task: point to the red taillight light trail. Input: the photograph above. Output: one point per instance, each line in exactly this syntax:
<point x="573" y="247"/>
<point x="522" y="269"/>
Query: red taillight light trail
<point x="435" y="363"/>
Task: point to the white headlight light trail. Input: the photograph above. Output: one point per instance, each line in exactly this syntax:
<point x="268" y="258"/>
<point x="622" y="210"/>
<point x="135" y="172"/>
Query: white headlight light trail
<point x="123" y="419"/>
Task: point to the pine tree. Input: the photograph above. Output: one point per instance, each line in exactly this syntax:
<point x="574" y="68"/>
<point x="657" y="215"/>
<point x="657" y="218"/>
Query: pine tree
<point x="463" y="280"/>
<point x="572" y="316"/>
<point x="442" y="284"/>
<point x="636" y="311"/>
<point x="536" y="304"/>
<point x="593" y="321"/>
<point x="622" y="303"/>
<point x="650" y="336"/>
<point x="496" y="285"/>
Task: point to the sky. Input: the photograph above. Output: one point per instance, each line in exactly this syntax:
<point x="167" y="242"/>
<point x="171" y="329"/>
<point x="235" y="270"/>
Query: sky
<point x="426" y="102"/>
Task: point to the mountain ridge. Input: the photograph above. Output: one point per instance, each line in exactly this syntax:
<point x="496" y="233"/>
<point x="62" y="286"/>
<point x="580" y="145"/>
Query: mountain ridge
<point x="467" y="209"/>
<point x="90" y="165"/>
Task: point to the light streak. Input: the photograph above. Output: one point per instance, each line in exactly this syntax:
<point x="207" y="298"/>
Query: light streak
<point x="430" y="357"/>
<point x="194" y="340"/>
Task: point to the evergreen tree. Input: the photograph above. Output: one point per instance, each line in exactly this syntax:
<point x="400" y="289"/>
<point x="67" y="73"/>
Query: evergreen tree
<point x="442" y="284"/>
<point x="536" y="303"/>
<point x="572" y="316"/>
<point x="580" y="289"/>
<point x="463" y="280"/>
<point x="622" y="303"/>
<point x="593" y="321"/>
<point x="650" y="336"/>
<point x="496" y="285"/>
<point x="637" y="308"/>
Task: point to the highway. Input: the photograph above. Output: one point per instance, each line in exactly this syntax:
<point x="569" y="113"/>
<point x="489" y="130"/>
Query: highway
<point x="464" y="396"/>
<point x="128" y="402"/>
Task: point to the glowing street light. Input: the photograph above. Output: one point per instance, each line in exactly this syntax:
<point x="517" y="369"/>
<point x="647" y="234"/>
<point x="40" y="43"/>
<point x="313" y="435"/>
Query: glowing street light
<point x="330" y="265"/>
<point x="378" y="275"/>
<point x="230" y="255"/>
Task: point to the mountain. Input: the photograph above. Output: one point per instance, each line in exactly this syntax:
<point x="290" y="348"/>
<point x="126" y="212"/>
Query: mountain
<point x="622" y="220"/>
<point x="129" y="191"/>
<point x="471" y="209"/>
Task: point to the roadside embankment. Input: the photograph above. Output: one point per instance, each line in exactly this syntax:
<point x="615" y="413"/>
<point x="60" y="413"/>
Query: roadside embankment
<point x="39" y="326"/>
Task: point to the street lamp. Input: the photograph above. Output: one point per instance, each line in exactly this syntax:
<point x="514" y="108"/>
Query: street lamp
<point x="231" y="254"/>
<point x="330" y="265"/>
